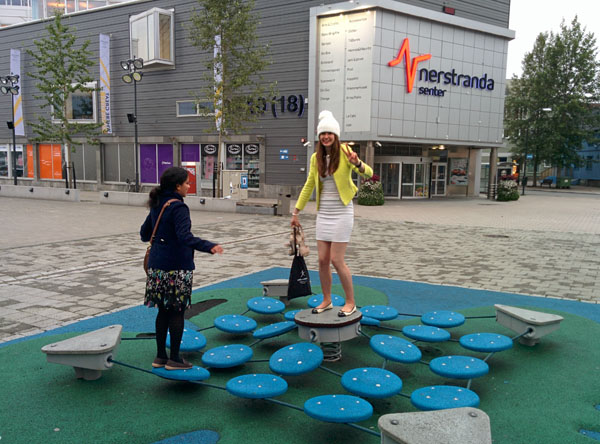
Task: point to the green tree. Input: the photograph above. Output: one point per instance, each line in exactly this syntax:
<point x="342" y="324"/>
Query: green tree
<point x="227" y="30"/>
<point x="561" y="74"/>
<point x="62" y="70"/>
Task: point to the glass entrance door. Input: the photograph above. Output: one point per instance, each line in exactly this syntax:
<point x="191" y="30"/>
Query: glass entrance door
<point x="390" y="178"/>
<point x="438" y="179"/>
<point x="414" y="180"/>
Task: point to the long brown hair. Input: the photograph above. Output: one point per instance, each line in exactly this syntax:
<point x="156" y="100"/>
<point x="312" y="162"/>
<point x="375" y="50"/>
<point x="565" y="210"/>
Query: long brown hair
<point x="334" y="157"/>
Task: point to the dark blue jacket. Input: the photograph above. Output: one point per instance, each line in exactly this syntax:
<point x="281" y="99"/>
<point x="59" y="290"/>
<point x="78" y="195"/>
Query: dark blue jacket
<point x="174" y="244"/>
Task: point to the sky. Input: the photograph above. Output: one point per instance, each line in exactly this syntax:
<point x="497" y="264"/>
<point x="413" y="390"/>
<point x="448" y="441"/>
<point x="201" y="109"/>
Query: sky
<point x="528" y="18"/>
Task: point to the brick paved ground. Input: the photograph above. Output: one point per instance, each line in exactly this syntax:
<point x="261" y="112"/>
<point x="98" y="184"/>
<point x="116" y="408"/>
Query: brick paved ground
<point x="61" y="262"/>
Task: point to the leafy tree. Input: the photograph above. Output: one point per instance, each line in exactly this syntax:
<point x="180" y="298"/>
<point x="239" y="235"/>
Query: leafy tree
<point x="561" y="73"/>
<point x="226" y="29"/>
<point x="62" y="69"/>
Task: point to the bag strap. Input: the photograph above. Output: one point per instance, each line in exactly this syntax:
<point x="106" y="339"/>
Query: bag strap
<point x="167" y="203"/>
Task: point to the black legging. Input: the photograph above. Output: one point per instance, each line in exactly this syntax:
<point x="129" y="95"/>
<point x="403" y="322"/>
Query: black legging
<point x="172" y="320"/>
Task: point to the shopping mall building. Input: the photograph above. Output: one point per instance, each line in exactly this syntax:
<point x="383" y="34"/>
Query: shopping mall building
<point x="417" y="86"/>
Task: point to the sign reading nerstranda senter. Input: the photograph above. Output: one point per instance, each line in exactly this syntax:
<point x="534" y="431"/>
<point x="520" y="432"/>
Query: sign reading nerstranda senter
<point x="344" y="69"/>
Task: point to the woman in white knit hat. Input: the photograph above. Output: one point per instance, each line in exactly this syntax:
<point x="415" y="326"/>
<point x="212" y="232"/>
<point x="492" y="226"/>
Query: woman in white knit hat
<point x="331" y="167"/>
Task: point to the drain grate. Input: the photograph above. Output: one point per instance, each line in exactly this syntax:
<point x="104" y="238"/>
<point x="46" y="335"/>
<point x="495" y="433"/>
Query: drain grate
<point x="499" y="236"/>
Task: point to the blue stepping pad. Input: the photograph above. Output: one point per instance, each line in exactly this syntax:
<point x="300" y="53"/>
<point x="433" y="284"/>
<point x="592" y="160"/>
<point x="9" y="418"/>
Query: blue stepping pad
<point x="235" y="323"/>
<point x="337" y="300"/>
<point x="380" y="312"/>
<point x="459" y="367"/>
<point x="395" y="349"/>
<point x="486" y="342"/>
<point x="443" y="319"/>
<point x="257" y="386"/>
<point x="439" y="397"/>
<point x="291" y="315"/>
<point x="190" y="342"/>
<point x="426" y="333"/>
<point x="371" y="382"/>
<point x="338" y="408"/>
<point x="264" y="305"/>
<point x="227" y="356"/>
<point x="296" y="359"/>
<point x="197" y="437"/>
<point x="193" y="374"/>
<point x="274" y="330"/>
<point x="366" y="320"/>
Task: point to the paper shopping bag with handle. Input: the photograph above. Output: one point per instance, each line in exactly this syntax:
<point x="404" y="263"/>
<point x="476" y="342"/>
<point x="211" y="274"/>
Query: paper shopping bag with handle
<point x="299" y="281"/>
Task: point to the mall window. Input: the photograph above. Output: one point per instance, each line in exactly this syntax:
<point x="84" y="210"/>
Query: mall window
<point x="191" y="108"/>
<point x="118" y="162"/>
<point x="152" y="37"/>
<point x="24" y="162"/>
<point x="81" y="105"/>
<point x="244" y="157"/>
<point x="50" y="155"/>
<point x="84" y="157"/>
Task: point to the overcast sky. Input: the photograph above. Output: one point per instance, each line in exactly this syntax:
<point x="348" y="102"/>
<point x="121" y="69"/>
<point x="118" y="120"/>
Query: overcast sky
<point x="528" y="18"/>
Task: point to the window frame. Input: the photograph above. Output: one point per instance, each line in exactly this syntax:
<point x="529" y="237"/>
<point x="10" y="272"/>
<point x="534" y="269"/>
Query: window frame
<point x="157" y="60"/>
<point x="198" y="112"/>
<point x="94" y="94"/>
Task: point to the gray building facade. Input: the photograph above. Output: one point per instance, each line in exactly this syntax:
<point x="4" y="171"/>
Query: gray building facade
<point x="423" y="141"/>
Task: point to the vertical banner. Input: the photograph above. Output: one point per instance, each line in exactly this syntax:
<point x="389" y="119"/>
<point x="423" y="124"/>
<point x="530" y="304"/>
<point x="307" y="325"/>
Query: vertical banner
<point x="218" y="75"/>
<point x="15" y="69"/>
<point x="105" y="84"/>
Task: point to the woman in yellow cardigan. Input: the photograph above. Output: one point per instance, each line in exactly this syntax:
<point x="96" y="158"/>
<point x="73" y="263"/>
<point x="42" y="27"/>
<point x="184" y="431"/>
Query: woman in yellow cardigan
<point x="330" y="173"/>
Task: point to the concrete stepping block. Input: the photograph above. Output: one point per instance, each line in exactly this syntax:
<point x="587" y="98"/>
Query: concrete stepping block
<point x="264" y="305"/>
<point x="439" y="397"/>
<point x="459" y="367"/>
<point x="426" y="333"/>
<point x="227" y="356"/>
<point x="315" y="301"/>
<point x="370" y="382"/>
<point x="520" y="320"/>
<point x="235" y="324"/>
<point x="257" y="386"/>
<point x="380" y="312"/>
<point x="273" y="330"/>
<point x="191" y="341"/>
<point x="296" y="359"/>
<point x="338" y="408"/>
<point x="88" y="353"/>
<point x="443" y="319"/>
<point x="192" y="374"/>
<point x="486" y="342"/>
<point x="395" y="349"/>
<point x="465" y="425"/>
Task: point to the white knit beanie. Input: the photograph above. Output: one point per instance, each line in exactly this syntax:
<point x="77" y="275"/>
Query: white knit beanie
<point x="328" y="124"/>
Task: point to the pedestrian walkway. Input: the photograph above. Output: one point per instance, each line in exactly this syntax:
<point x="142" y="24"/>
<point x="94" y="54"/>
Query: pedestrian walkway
<point x="61" y="262"/>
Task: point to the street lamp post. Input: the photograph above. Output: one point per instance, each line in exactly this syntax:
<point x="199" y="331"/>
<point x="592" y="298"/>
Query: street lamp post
<point x="9" y="86"/>
<point x="133" y="75"/>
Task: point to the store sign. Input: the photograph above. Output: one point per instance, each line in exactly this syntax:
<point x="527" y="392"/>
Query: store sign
<point x="210" y="149"/>
<point x="234" y="149"/>
<point x="436" y="76"/>
<point x="251" y="149"/>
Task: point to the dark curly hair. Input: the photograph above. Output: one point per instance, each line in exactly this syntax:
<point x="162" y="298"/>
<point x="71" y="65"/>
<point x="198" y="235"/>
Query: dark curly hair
<point x="169" y="180"/>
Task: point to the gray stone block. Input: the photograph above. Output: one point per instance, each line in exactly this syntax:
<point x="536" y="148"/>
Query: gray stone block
<point x="465" y="425"/>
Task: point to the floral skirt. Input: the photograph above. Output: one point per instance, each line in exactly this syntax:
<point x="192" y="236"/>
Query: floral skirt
<point x="169" y="289"/>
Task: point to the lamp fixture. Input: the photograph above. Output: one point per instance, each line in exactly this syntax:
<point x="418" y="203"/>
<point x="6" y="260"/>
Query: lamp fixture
<point x="378" y="144"/>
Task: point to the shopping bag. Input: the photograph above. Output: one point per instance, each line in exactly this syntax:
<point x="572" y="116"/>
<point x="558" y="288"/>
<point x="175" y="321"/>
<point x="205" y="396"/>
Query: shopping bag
<point x="299" y="281"/>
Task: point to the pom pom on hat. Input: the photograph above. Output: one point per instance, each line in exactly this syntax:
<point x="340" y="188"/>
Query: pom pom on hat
<point x="328" y="124"/>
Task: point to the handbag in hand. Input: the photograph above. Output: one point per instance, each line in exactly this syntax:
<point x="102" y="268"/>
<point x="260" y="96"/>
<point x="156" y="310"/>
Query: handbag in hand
<point x="147" y="255"/>
<point x="299" y="281"/>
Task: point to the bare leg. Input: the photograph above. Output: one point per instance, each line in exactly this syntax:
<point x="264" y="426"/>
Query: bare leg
<point x="338" y="250"/>
<point x="324" y="249"/>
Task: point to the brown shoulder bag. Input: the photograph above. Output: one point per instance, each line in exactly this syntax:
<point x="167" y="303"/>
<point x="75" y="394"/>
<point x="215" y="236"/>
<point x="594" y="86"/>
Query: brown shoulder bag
<point x="147" y="256"/>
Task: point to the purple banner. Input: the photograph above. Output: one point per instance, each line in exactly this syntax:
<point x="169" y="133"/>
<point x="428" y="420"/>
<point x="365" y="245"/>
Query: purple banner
<point x="165" y="158"/>
<point x="190" y="152"/>
<point x="148" y="163"/>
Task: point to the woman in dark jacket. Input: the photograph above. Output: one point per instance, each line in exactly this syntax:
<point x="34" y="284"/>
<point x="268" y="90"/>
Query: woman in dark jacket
<point x="171" y="263"/>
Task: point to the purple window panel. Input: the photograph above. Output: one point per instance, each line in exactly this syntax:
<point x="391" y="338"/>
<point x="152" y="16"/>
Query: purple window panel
<point x="165" y="157"/>
<point x="190" y="152"/>
<point x="148" y="163"/>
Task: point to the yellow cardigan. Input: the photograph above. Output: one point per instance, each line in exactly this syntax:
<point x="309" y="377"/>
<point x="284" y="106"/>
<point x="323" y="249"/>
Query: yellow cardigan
<point x="342" y="177"/>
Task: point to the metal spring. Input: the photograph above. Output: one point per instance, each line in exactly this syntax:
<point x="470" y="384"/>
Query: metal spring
<point x="332" y="351"/>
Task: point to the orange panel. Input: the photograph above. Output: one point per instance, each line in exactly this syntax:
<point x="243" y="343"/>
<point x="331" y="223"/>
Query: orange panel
<point x="57" y="162"/>
<point x="45" y="152"/>
<point x="29" y="160"/>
